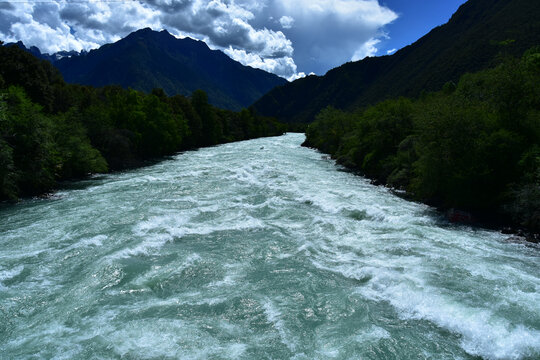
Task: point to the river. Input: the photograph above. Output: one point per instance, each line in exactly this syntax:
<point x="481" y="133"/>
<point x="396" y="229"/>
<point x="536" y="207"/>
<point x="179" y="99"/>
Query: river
<point x="257" y="250"/>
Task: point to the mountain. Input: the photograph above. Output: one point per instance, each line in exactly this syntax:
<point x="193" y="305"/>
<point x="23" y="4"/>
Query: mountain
<point x="476" y="35"/>
<point x="148" y="59"/>
<point x="44" y="56"/>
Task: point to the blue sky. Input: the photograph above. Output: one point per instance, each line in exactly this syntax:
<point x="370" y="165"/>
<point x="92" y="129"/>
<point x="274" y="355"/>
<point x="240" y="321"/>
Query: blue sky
<point x="291" y="38"/>
<point x="416" y="18"/>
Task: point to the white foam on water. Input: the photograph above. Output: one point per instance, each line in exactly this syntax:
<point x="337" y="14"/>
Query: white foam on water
<point x="156" y="338"/>
<point x="275" y="317"/>
<point x="400" y="279"/>
<point x="8" y="274"/>
<point x="49" y="331"/>
<point x="229" y="280"/>
<point x="247" y="175"/>
<point x="528" y="300"/>
<point x="160" y="272"/>
<point x="375" y="247"/>
<point x="236" y="350"/>
<point x="151" y="235"/>
<point x="372" y="334"/>
<point x="483" y="333"/>
<point x="95" y="241"/>
<point x="328" y="352"/>
<point x="148" y="246"/>
<point x="161" y="223"/>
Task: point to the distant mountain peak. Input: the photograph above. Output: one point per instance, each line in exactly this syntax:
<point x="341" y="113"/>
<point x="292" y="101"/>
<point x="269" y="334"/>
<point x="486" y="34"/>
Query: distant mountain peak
<point x="147" y="59"/>
<point x="34" y="50"/>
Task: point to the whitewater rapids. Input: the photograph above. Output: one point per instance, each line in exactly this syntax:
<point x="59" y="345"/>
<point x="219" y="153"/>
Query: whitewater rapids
<point x="257" y="250"/>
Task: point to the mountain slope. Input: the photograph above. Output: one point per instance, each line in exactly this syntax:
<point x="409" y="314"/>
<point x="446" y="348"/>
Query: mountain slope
<point x="473" y="38"/>
<point x="147" y="59"/>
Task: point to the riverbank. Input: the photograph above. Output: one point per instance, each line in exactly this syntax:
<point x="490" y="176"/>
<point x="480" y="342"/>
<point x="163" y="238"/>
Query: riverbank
<point x="484" y="220"/>
<point x="257" y="249"/>
<point x="473" y="146"/>
<point x="51" y="131"/>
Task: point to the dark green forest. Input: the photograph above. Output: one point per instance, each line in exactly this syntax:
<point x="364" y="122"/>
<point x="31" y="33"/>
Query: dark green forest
<point x="474" y="145"/>
<point x="52" y="131"/>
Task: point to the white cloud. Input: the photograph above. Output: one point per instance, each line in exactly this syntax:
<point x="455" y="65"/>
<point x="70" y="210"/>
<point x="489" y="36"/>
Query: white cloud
<point x="328" y="33"/>
<point x="364" y="11"/>
<point x="286" y="22"/>
<point x="390" y="52"/>
<point x="366" y="49"/>
<point x="313" y="35"/>
<point x="284" y="66"/>
<point x="59" y="38"/>
<point x="226" y="26"/>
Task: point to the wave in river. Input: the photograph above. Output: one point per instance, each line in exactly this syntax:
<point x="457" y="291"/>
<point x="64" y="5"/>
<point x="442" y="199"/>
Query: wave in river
<point x="259" y="249"/>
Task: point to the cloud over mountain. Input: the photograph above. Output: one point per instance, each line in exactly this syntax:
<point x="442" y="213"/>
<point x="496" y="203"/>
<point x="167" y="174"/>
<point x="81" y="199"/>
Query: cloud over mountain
<point x="280" y="36"/>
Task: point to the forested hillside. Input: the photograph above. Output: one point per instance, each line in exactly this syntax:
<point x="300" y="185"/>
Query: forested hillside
<point x="51" y="131"/>
<point x="472" y="146"/>
<point x="476" y="36"/>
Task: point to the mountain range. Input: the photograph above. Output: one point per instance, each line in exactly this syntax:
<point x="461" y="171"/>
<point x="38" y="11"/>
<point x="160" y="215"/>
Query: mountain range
<point x="473" y="39"/>
<point x="147" y="59"/>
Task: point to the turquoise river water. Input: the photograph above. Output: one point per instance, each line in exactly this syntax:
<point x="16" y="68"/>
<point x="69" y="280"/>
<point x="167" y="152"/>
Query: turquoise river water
<point x="257" y="250"/>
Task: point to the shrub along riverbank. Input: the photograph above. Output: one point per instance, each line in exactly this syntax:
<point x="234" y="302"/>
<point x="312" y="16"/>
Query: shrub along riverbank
<point x="52" y="131"/>
<point x="473" y="146"/>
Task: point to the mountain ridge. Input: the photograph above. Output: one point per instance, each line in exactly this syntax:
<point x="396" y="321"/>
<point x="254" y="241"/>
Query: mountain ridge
<point x="147" y="59"/>
<point x="471" y="40"/>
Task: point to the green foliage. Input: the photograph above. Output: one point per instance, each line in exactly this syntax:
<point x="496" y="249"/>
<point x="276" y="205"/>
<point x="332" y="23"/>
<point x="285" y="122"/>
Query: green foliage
<point x="379" y="134"/>
<point x="76" y="154"/>
<point x="37" y="77"/>
<point x="211" y="127"/>
<point x="29" y="134"/>
<point x="8" y="185"/>
<point x="51" y="131"/>
<point x="8" y="182"/>
<point x="473" y="145"/>
<point x="525" y="204"/>
<point x="326" y="133"/>
<point x="452" y="148"/>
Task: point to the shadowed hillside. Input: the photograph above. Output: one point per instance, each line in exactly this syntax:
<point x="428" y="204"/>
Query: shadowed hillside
<point x="149" y="59"/>
<point x="474" y="38"/>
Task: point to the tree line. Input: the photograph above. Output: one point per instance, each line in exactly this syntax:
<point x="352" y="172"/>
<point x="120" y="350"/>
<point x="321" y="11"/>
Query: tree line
<point x="474" y="145"/>
<point x="52" y="131"/>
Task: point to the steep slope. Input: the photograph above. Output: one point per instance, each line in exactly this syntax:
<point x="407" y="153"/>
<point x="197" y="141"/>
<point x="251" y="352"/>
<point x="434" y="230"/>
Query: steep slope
<point x="475" y="36"/>
<point x="148" y="59"/>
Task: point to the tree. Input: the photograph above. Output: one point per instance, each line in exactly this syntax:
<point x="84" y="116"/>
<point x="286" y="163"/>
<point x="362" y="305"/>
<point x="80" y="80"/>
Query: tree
<point x="28" y="133"/>
<point x="212" y="130"/>
<point x="8" y="186"/>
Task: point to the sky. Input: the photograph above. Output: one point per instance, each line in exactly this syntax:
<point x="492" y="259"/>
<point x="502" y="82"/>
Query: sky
<point x="290" y="38"/>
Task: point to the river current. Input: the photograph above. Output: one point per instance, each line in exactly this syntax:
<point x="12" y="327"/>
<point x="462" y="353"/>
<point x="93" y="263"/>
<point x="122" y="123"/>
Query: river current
<point x="257" y="250"/>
